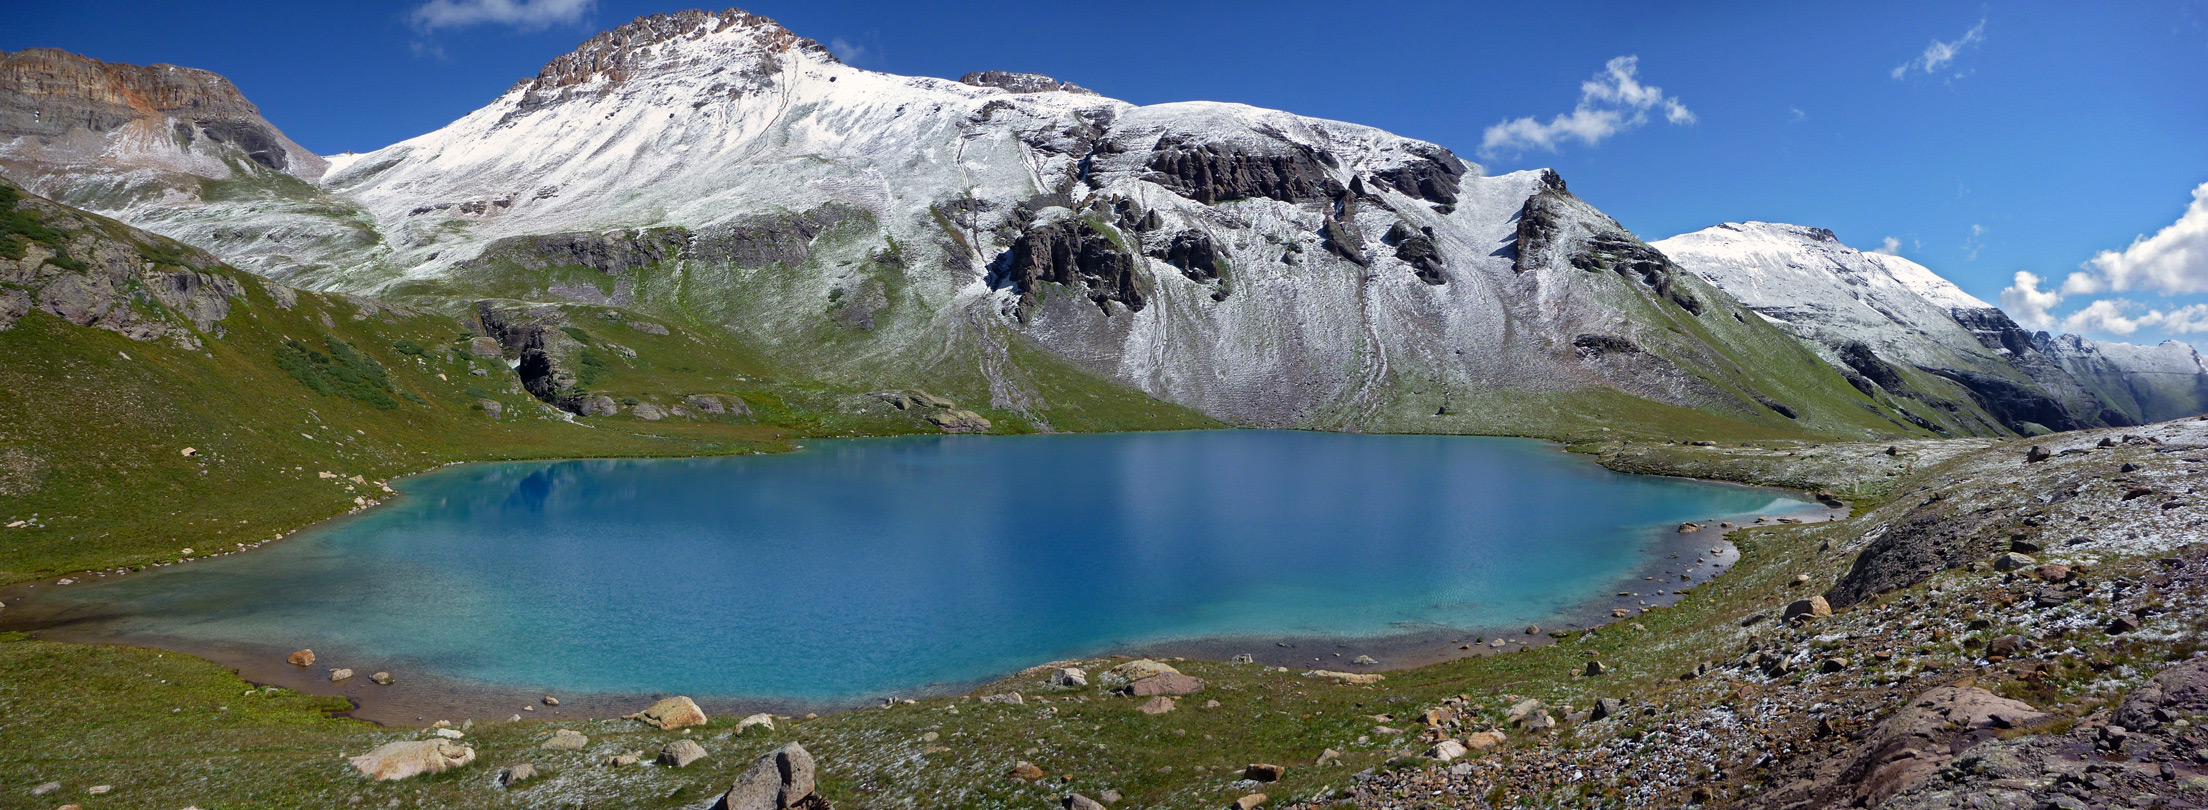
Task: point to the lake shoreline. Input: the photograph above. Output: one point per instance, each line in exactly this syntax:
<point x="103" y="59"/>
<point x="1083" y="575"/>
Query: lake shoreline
<point x="421" y="696"/>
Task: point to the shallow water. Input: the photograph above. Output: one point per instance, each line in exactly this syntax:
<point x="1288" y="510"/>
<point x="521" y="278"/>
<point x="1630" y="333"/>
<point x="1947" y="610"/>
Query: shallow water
<point x="867" y="567"/>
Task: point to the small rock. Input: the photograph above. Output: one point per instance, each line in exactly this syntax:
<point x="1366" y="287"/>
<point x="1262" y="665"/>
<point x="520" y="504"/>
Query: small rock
<point x="1076" y="801"/>
<point x="624" y="759"/>
<point x="1484" y="740"/>
<point x="1349" y="677"/>
<point x="2138" y="492"/>
<point x="1157" y="705"/>
<point x="302" y="658"/>
<point x="99" y="790"/>
<point x="2010" y="561"/>
<point x="2054" y="572"/>
<point x="44" y="789"/>
<point x="1596" y="668"/>
<point x="551" y="701"/>
<point x="1260" y="772"/>
<point x="516" y="774"/>
<point x="672" y="713"/>
<point x="1008" y="698"/>
<point x="2036" y="454"/>
<point x="1327" y="756"/>
<point x="380" y="679"/>
<point x="681" y="753"/>
<point x="1141" y="668"/>
<point x="1109" y="796"/>
<point x="1250" y="802"/>
<point x="1026" y="771"/>
<point x="1244" y="658"/>
<point x="1447" y="751"/>
<point x="1071" y="677"/>
<point x="2123" y="624"/>
<point x="566" y="740"/>
<point x="762" y="719"/>
<point x="340" y="674"/>
<point x="781" y="779"/>
<point x="1365" y="661"/>
<point x="449" y="733"/>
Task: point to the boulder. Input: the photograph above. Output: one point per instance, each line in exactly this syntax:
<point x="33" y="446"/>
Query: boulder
<point x="399" y="760"/>
<point x="1008" y="698"/>
<point x="1606" y="708"/>
<point x="551" y="701"/>
<point x="1485" y="740"/>
<point x="2036" y="454"/>
<point x="2180" y="691"/>
<point x="672" y="713"/>
<point x="1025" y="771"/>
<point x="711" y="405"/>
<point x="381" y="679"/>
<point x="2054" y="572"/>
<point x="959" y="421"/>
<point x="1346" y="677"/>
<point x="485" y="347"/>
<point x="600" y="405"/>
<point x="1261" y="772"/>
<point x="1170" y="683"/>
<point x="491" y="407"/>
<point x="1521" y="710"/>
<point x="1076" y="801"/>
<point x="681" y="753"/>
<point x="624" y="759"/>
<point x="1447" y="750"/>
<point x="1071" y="677"/>
<point x="1595" y="668"/>
<point x="2011" y="561"/>
<point x="1249" y="802"/>
<point x="566" y="740"/>
<point x="648" y="412"/>
<point x="517" y="773"/>
<point x="1156" y="705"/>
<point x="340" y="674"/>
<point x="302" y="658"/>
<point x="761" y="719"/>
<point x="1141" y="668"/>
<point x="1914" y="741"/>
<point x="1814" y="607"/>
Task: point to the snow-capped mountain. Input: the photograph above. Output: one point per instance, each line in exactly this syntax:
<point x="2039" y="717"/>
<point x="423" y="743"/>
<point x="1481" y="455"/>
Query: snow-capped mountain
<point x="1892" y="325"/>
<point x="1000" y="234"/>
<point x="2147" y="383"/>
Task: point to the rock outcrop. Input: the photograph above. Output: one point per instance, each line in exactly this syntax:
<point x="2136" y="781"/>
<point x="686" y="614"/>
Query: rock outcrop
<point x="409" y="758"/>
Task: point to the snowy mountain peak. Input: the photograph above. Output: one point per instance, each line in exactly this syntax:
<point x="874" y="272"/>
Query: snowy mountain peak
<point x="658" y="43"/>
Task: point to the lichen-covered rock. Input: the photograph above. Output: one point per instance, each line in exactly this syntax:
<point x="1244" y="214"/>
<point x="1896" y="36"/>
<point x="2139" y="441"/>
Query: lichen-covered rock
<point x="408" y="758"/>
<point x="781" y="779"/>
<point x="672" y="713"/>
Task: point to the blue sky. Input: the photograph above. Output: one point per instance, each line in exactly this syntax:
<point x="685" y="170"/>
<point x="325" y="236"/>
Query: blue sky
<point x="1984" y="139"/>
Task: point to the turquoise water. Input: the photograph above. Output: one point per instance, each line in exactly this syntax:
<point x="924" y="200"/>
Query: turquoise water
<point x="866" y="567"/>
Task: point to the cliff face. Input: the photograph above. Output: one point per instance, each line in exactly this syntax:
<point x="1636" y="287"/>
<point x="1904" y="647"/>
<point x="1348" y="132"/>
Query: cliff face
<point x="53" y="95"/>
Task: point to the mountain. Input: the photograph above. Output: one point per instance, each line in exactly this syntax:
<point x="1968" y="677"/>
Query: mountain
<point x="1013" y="237"/>
<point x="175" y="150"/>
<point x="1895" y="329"/>
<point x="2147" y="383"/>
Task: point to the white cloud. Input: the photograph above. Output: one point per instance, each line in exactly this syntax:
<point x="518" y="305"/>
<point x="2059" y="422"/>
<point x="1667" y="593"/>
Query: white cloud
<point x="850" y="53"/>
<point x="2109" y="315"/>
<point x="2174" y="261"/>
<point x="1794" y="115"/>
<point x="2027" y="304"/>
<point x="1938" y="55"/>
<point x="1613" y="101"/>
<point x="2105" y="316"/>
<point x="527" y="15"/>
<point x="1890" y="247"/>
<point x="1975" y="243"/>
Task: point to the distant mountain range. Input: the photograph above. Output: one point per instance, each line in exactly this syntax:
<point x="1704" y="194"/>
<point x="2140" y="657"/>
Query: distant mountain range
<point x="1011" y="237"/>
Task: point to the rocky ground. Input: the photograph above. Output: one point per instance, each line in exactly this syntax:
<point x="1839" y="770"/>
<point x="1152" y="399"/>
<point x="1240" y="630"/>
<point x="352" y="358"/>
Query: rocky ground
<point x="2014" y="626"/>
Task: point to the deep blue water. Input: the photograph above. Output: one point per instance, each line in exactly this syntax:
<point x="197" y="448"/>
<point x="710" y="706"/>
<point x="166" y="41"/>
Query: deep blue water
<point x="863" y="567"/>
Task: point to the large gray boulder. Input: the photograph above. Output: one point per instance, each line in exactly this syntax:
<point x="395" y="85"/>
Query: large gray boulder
<point x="780" y="779"/>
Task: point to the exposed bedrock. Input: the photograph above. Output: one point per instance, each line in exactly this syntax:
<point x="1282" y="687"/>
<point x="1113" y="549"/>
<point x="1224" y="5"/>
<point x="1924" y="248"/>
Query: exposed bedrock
<point x="1433" y="177"/>
<point x="526" y="336"/>
<point x="1415" y="246"/>
<point x="1218" y="172"/>
<point x="1022" y="82"/>
<point x="1072" y="253"/>
<point x="2013" y="403"/>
